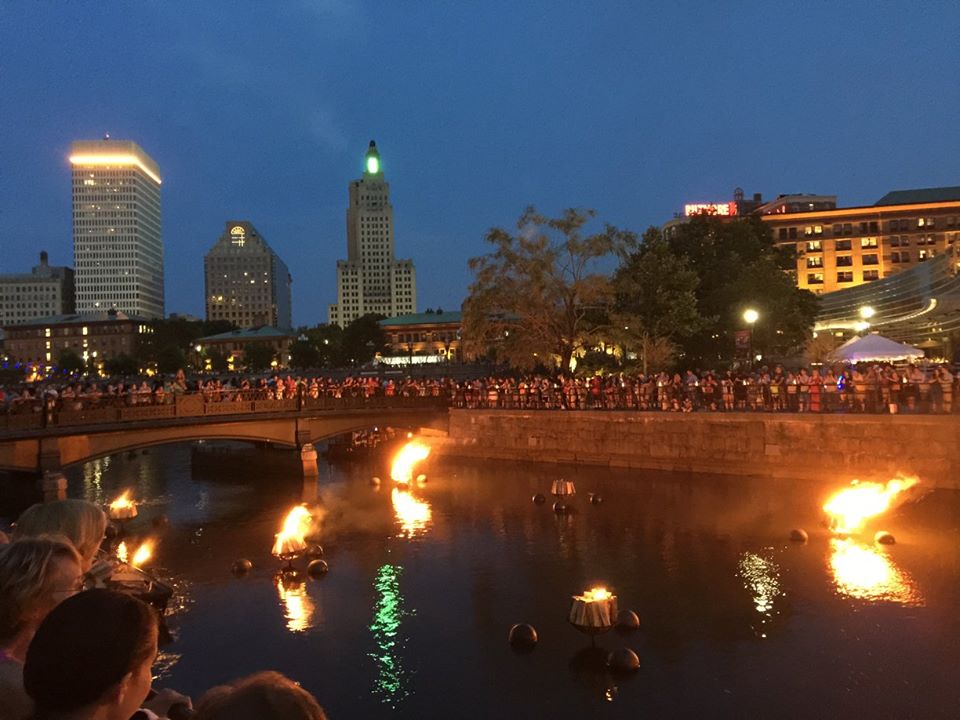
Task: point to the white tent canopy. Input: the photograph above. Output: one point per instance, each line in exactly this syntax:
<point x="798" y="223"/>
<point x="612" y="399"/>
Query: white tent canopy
<point x="874" y="348"/>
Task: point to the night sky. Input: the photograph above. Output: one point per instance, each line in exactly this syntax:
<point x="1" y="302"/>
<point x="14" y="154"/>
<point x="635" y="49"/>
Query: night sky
<point x="263" y="111"/>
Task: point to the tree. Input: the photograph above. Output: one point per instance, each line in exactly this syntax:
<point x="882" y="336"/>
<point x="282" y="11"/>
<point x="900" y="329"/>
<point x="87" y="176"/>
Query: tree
<point x="69" y="362"/>
<point x="170" y="359"/>
<point x="258" y="356"/>
<point x="218" y="361"/>
<point x="739" y="266"/>
<point x="304" y="354"/>
<point x="361" y="340"/>
<point x="655" y="299"/>
<point x="532" y="297"/>
<point x="121" y="365"/>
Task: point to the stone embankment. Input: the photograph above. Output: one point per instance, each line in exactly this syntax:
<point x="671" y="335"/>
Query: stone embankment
<point x="808" y="446"/>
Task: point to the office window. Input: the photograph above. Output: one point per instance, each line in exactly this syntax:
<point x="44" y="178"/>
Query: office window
<point x="868" y="242"/>
<point x="895" y="241"/>
<point x="814" y="246"/>
<point x="815" y="261"/>
<point x="872" y="259"/>
<point x="904" y="257"/>
<point x="782" y="234"/>
<point x="815" y="278"/>
<point x="843" y="245"/>
<point x="846" y="276"/>
<point x="924" y="254"/>
<point x="895" y="257"/>
<point x="792" y="232"/>
<point x="871" y="275"/>
<point x="874" y="227"/>
<point x="844" y="261"/>
<point x="838" y="229"/>
<point x="847" y="229"/>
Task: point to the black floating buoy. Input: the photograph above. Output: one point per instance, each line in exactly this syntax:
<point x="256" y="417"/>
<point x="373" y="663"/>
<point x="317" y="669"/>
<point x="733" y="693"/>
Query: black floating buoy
<point x="627" y="620"/>
<point x="884" y="538"/>
<point x="596" y="499"/>
<point x="110" y="531"/>
<point x="241" y="566"/>
<point x="160" y="522"/>
<point x="315" y="551"/>
<point x="560" y="507"/>
<point x="539" y="499"/>
<point x="317" y="568"/>
<point x="623" y="660"/>
<point x="798" y="535"/>
<point x="523" y="637"/>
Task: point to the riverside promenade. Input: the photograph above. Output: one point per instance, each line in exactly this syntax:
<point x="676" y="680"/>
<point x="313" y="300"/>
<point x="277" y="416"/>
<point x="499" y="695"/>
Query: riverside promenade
<point x="797" y="446"/>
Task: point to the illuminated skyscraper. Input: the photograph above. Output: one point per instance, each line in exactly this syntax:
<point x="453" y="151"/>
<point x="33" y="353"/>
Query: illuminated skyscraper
<point x="117" y="246"/>
<point x="246" y="281"/>
<point x="371" y="279"/>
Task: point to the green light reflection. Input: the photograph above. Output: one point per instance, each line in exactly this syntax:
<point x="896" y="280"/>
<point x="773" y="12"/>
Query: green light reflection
<point x="392" y="681"/>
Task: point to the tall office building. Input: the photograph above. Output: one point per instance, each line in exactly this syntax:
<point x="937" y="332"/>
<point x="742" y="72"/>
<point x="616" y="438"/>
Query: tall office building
<point x="117" y="246"/>
<point x="246" y="281"/>
<point x="371" y="279"/>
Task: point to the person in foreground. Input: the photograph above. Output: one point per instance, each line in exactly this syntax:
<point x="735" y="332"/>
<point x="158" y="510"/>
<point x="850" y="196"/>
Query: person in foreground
<point x="259" y="696"/>
<point x="91" y="659"/>
<point x="36" y="574"/>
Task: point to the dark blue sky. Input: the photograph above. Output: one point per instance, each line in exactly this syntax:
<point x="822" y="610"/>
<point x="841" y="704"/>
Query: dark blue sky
<point x="262" y="111"/>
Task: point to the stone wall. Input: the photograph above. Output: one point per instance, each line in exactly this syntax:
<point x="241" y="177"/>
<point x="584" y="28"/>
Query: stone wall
<point x="820" y="447"/>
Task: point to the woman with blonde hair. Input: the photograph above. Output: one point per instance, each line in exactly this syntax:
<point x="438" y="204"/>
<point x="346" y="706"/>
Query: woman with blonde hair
<point x="79" y="521"/>
<point x="36" y="574"/>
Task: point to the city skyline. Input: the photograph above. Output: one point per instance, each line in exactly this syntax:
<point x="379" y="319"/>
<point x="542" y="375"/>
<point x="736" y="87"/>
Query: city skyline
<point x="632" y="111"/>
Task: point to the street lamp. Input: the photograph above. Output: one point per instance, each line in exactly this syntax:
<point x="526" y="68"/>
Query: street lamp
<point x="750" y="317"/>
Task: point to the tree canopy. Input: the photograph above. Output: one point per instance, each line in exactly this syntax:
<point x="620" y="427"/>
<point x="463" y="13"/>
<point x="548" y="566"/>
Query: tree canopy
<point x="539" y="294"/>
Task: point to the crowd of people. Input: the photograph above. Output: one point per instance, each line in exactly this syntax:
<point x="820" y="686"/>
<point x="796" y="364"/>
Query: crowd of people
<point x="70" y="649"/>
<point x="872" y="388"/>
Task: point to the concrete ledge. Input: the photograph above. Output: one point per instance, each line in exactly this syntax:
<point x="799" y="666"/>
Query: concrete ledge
<point x="809" y="446"/>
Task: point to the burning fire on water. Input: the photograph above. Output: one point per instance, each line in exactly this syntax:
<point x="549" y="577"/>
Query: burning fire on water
<point x="413" y="515"/>
<point x="850" y="509"/>
<point x="403" y="464"/>
<point x="291" y="540"/>
<point x="140" y="556"/>
<point x="123" y="507"/>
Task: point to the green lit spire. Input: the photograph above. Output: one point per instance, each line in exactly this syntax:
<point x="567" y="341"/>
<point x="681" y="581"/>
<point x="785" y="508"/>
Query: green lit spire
<point x="373" y="160"/>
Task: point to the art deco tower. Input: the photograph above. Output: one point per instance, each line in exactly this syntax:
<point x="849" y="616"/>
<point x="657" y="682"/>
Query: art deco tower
<point x="371" y="279"/>
<point x="117" y="246"/>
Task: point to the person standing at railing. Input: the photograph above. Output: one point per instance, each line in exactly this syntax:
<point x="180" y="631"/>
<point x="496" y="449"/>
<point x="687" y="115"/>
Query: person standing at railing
<point x="945" y="380"/>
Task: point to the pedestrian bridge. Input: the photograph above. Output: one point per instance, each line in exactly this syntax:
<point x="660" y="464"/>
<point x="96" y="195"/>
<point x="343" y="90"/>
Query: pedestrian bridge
<point x="49" y="440"/>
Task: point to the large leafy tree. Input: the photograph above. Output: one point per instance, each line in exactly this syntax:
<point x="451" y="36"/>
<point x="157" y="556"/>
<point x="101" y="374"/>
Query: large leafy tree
<point x="537" y="295"/>
<point x="70" y="362"/>
<point x="258" y="356"/>
<point x="739" y="266"/>
<point x="361" y="340"/>
<point x="655" y="300"/>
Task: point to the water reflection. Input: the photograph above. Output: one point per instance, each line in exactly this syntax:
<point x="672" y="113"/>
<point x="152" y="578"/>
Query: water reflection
<point x="413" y="515"/>
<point x="761" y="578"/>
<point x="391" y="681"/>
<point x="863" y="572"/>
<point x="298" y="606"/>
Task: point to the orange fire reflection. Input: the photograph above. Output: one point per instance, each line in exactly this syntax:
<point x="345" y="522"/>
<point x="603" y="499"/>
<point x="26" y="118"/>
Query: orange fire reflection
<point x="123" y="507"/>
<point x="413" y="515"/>
<point x="863" y="572"/>
<point x="850" y="509"/>
<point x="143" y="553"/>
<point x="298" y="607"/>
<point x="405" y="460"/>
<point x="291" y="540"/>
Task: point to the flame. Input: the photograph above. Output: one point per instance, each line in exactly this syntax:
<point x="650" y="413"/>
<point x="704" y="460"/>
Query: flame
<point x="292" y="537"/>
<point x="413" y="515"/>
<point x="597" y="594"/>
<point x="122" y="506"/>
<point x="122" y="551"/>
<point x="298" y="608"/>
<point x="143" y="553"/>
<point x="850" y="508"/>
<point x="409" y="455"/>
<point x="865" y="573"/>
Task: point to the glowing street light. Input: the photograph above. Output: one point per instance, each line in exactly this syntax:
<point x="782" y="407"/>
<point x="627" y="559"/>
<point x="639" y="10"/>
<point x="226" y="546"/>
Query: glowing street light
<point x="867" y="312"/>
<point x="750" y="316"/>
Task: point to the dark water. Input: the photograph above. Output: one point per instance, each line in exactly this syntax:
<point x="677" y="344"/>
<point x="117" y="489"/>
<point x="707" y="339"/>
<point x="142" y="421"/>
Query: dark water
<point x="412" y="619"/>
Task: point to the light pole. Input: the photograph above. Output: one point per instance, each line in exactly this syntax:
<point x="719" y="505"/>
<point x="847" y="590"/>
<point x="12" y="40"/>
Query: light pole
<point x="750" y="316"/>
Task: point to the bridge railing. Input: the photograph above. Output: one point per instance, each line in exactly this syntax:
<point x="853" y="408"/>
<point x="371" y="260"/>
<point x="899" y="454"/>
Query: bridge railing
<point x="103" y="411"/>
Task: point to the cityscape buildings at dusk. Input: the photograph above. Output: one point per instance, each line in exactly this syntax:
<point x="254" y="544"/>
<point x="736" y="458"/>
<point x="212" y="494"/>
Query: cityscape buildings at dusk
<point x="371" y="279"/>
<point x="246" y="282"/>
<point x="117" y="241"/>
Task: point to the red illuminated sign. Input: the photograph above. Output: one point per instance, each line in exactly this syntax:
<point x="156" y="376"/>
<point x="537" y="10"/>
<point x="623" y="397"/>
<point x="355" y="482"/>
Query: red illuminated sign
<point x="725" y="209"/>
